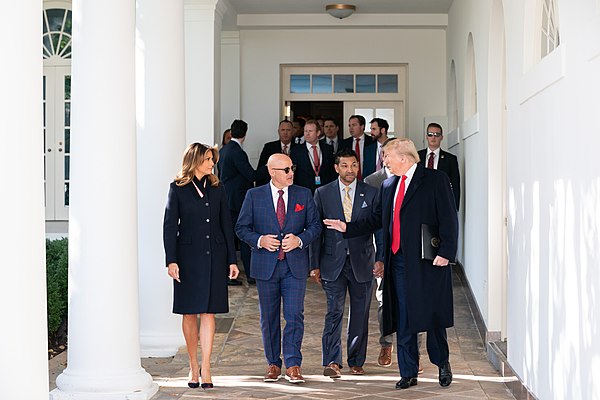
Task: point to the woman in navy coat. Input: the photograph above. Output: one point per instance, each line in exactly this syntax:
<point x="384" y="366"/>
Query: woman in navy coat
<point x="200" y="253"/>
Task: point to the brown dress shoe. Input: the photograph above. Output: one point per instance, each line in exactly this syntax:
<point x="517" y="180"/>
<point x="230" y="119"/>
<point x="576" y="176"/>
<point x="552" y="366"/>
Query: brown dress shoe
<point x="294" y="375"/>
<point x="357" y="370"/>
<point x="273" y="373"/>
<point x="332" y="371"/>
<point x="385" y="356"/>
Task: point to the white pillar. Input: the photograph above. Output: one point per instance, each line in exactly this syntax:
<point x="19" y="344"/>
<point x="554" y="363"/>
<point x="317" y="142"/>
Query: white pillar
<point x="103" y="354"/>
<point x="23" y="338"/>
<point x="230" y="78"/>
<point x="202" y="69"/>
<point x="160" y="104"/>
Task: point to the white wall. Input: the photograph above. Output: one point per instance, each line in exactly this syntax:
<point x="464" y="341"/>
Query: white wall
<point x="464" y="17"/>
<point x="554" y="205"/>
<point x="262" y="51"/>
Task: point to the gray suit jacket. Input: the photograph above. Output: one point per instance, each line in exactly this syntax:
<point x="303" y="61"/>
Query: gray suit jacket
<point x="329" y="253"/>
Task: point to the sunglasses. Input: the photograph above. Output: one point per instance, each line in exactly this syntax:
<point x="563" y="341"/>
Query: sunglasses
<point x="436" y="134"/>
<point x="286" y="169"/>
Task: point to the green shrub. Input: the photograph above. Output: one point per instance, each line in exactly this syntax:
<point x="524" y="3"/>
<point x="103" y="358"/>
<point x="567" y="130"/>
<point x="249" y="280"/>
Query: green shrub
<point x="57" y="265"/>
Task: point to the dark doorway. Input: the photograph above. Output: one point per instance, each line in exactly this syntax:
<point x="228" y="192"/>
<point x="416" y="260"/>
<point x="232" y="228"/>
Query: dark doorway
<point x="319" y="109"/>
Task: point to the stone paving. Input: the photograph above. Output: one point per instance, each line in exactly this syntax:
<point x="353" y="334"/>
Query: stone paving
<point x="238" y="362"/>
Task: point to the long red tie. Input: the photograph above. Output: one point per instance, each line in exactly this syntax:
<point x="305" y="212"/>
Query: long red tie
<point x="430" y="160"/>
<point x="316" y="159"/>
<point x="396" y="221"/>
<point x="357" y="151"/>
<point x="280" y="219"/>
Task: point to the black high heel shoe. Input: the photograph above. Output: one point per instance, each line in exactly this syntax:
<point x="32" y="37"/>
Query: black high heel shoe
<point x="194" y="385"/>
<point x="208" y="385"/>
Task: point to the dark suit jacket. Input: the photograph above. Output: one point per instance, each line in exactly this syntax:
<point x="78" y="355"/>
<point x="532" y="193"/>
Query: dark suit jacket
<point x="258" y="217"/>
<point x="329" y="253"/>
<point x="305" y="174"/>
<point x="449" y="164"/>
<point x="194" y="227"/>
<point x="370" y="159"/>
<point x="375" y="180"/>
<point x="348" y="144"/>
<point x="236" y="173"/>
<point x="428" y="291"/>
<point x="268" y="150"/>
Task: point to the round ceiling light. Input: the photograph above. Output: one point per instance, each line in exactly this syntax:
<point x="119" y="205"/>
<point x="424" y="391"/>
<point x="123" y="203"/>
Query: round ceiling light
<point x="340" y="10"/>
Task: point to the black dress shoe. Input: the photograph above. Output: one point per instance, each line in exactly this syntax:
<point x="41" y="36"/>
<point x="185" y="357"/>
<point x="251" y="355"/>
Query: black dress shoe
<point x="445" y="375"/>
<point x="233" y="282"/>
<point x="251" y="281"/>
<point x="207" y="386"/>
<point x="405" y="383"/>
<point x="194" y="385"/>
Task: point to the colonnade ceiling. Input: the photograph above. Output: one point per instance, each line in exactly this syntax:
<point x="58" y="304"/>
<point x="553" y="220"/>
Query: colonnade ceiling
<point x="291" y="10"/>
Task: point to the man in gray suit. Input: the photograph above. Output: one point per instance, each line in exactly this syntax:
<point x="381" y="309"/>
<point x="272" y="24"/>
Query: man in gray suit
<point x="345" y="265"/>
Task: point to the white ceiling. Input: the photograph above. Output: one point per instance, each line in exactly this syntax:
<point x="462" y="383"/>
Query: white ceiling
<point x="304" y="8"/>
<point x="362" y="6"/>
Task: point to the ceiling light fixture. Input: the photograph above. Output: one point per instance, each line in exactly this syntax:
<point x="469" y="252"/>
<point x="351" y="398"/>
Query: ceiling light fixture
<point x="340" y="10"/>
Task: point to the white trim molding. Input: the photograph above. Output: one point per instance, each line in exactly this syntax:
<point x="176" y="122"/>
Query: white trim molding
<point x="544" y="74"/>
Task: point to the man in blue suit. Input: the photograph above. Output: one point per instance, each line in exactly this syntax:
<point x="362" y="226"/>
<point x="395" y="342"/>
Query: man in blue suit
<point x="345" y="265"/>
<point x="279" y="221"/>
<point x="417" y="294"/>
<point x="237" y="176"/>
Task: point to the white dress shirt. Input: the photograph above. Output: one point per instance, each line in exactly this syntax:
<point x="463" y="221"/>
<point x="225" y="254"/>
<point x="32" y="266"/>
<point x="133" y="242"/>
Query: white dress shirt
<point x="409" y="174"/>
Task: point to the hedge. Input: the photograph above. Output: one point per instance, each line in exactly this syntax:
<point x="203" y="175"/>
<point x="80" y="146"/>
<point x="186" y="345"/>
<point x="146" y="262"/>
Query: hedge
<point x="57" y="265"/>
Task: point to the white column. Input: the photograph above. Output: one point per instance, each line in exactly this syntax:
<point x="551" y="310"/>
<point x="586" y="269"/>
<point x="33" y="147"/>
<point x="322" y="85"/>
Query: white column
<point x="23" y="338"/>
<point x="160" y="104"/>
<point x="202" y="69"/>
<point x="230" y="78"/>
<point x="103" y="354"/>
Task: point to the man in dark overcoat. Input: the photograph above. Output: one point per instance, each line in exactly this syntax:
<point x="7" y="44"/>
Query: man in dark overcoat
<point x="417" y="292"/>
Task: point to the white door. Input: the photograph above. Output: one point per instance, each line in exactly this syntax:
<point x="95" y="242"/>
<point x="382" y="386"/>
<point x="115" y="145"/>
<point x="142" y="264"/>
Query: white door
<point x="57" y="135"/>
<point x="391" y="111"/>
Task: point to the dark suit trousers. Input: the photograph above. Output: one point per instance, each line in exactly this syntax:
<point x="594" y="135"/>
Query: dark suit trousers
<point x="408" y="350"/>
<point x="358" y="320"/>
<point x="245" y="251"/>
<point x="282" y="286"/>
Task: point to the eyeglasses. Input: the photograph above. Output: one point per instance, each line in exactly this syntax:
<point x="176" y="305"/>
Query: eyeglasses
<point x="436" y="134"/>
<point x="286" y="169"/>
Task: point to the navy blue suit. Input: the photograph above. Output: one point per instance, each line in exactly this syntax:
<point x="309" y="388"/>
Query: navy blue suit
<point x="449" y="164"/>
<point x="237" y="176"/>
<point x="370" y="159"/>
<point x="280" y="280"/>
<point x="305" y="174"/>
<point x="417" y="296"/>
<point x="345" y="265"/>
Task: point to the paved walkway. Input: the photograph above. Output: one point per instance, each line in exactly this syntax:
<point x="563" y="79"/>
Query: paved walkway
<point x="239" y="364"/>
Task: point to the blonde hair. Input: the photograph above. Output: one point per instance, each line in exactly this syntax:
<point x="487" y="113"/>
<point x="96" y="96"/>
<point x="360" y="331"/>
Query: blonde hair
<point x="403" y="146"/>
<point x="193" y="156"/>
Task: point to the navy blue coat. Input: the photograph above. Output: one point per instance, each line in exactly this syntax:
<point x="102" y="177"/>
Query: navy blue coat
<point x="428" y="200"/>
<point x="236" y="173"/>
<point x="198" y="236"/>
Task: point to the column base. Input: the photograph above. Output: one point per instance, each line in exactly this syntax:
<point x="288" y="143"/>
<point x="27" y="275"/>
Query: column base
<point x="136" y="385"/>
<point x="58" y="394"/>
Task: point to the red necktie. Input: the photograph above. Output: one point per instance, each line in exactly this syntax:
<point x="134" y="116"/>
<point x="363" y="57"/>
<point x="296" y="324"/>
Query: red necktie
<point x="316" y="159"/>
<point x="357" y="151"/>
<point x="396" y="221"/>
<point x="430" y="160"/>
<point x="280" y="219"/>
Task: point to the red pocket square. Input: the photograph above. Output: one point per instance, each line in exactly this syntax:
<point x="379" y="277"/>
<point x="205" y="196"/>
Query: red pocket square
<point x="299" y="207"/>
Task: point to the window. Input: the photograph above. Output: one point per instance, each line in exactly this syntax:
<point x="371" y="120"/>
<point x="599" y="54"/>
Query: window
<point x="550" y="38"/>
<point x="57" y="33"/>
